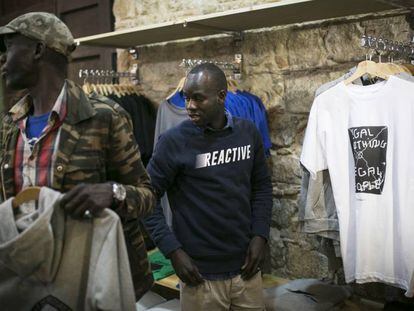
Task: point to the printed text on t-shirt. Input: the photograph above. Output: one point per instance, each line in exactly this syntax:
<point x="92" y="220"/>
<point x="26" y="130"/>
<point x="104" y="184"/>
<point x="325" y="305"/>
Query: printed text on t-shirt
<point x="223" y="156"/>
<point x="369" y="148"/>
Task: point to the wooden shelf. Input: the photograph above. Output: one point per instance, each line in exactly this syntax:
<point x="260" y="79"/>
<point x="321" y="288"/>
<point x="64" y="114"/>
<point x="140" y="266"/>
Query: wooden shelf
<point x="279" y="13"/>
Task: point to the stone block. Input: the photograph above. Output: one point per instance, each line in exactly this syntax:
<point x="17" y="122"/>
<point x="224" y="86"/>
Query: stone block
<point x="286" y="169"/>
<point x="284" y="128"/>
<point x="266" y="51"/>
<point x="300" y="88"/>
<point x="306" y="264"/>
<point x="394" y="28"/>
<point x="342" y="42"/>
<point x="282" y="212"/>
<point x="277" y="249"/>
<point x="283" y="189"/>
<point x="306" y="49"/>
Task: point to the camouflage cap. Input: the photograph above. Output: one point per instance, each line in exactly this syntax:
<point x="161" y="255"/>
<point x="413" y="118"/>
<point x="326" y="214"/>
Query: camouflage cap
<point x="44" y="27"/>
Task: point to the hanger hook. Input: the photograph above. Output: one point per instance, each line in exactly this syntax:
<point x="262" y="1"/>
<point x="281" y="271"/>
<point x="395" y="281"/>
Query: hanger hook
<point x="85" y="74"/>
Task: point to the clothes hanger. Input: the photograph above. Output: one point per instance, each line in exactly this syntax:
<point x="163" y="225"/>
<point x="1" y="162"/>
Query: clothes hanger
<point x="130" y="88"/>
<point x="108" y="88"/>
<point x="115" y="90"/>
<point x="179" y="88"/>
<point x="101" y="89"/>
<point x="85" y="88"/>
<point x="26" y="195"/>
<point x="393" y="69"/>
<point x="124" y="90"/>
<point x="232" y="85"/>
<point x="401" y="68"/>
<point x="410" y="68"/>
<point x="137" y="90"/>
<point x="371" y="68"/>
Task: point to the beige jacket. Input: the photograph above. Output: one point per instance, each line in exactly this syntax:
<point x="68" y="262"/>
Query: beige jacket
<point x="63" y="263"/>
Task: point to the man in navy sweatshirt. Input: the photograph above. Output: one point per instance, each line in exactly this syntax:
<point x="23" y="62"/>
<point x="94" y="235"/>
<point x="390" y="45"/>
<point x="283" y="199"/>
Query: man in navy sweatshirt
<point x="213" y="168"/>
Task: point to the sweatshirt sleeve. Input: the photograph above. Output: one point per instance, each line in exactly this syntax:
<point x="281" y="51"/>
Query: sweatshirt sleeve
<point x="261" y="196"/>
<point x="162" y="169"/>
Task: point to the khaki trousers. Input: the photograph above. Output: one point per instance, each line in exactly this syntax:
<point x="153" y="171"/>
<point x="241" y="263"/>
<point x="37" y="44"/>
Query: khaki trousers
<point x="234" y="294"/>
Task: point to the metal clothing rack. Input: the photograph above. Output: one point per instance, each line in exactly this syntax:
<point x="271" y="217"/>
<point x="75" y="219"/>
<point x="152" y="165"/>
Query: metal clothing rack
<point x="99" y="75"/>
<point x="391" y="49"/>
<point x="235" y="66"/>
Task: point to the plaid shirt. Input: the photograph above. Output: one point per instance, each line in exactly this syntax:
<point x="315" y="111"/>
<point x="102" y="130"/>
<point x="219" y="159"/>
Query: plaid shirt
<point x="34" y="160"/>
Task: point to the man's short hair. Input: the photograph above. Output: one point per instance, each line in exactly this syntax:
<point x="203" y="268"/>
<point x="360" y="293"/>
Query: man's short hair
<point x="218" y="77"/>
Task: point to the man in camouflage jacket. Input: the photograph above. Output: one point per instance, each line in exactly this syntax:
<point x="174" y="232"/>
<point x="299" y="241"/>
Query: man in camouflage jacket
<point x="95" y="146"/>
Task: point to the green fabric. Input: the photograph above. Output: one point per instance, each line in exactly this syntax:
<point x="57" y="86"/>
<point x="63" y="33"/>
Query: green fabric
<point x="161" y="266"/>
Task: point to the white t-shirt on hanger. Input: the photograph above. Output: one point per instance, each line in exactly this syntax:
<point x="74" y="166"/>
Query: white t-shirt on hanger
<point x="364" y="135"/>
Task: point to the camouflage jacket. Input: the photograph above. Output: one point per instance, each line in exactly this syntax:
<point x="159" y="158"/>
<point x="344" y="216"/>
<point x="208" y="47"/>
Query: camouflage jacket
<point x="96" y="145"/>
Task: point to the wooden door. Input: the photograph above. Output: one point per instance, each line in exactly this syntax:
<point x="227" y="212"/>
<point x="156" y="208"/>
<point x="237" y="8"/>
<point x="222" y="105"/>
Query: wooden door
<point x="83" y="17"/>
<point x="10" y="9"/>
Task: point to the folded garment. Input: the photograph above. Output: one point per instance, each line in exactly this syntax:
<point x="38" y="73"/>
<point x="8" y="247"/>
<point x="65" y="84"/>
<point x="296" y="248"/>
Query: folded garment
<point x="306" y="294"/>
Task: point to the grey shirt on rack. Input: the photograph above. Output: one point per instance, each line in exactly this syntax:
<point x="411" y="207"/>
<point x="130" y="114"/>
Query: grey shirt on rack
<point x="168" y="116"/>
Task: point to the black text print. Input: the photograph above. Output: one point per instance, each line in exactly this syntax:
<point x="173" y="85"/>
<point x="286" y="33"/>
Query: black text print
<point x="369" y="147"/>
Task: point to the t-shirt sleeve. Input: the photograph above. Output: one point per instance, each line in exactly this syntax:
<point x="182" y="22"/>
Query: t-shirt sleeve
<point x="313" y="150"/>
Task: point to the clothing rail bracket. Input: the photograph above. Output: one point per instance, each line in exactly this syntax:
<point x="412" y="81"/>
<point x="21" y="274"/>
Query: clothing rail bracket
<point x="102" y="76"/>
<point x="234" y="66"/>
<point x="384" y="47"/>
<point x="133" y="52"/>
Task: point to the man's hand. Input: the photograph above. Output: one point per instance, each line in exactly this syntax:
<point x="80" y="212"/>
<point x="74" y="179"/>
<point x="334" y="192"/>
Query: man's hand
<point x="254" y="256"/>
<point x="185" y="269"/>
<point x="92" y="197"/>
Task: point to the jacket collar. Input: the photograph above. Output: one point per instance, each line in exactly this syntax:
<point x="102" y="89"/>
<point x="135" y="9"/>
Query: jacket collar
<point x="79" y="107"/>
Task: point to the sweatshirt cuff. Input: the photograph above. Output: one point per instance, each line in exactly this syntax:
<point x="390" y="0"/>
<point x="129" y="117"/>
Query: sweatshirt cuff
<point x="168" y="244"/>
<point x="261" y="228"/>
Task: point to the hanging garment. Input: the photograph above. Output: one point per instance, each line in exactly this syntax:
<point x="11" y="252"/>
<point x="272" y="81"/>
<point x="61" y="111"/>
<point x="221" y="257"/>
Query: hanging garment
<point x="359" y="133"/>
<point x="252" y="108"/>
<point x="306" y="294"/>
<point x="168" y="116"/>
<point x="317" y="210"/>
<point x="51" y="261"/>
<point x="143" y="115"/>
<point x="330" y="84"/>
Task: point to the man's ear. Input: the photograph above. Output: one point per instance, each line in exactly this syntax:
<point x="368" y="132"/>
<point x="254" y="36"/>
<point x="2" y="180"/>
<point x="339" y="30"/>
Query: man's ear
<point x="222" y="96"/>
<point x="40" y="50"/>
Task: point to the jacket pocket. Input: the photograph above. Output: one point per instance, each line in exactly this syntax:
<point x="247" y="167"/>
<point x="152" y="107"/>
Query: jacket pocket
<point x="84" y="170"/>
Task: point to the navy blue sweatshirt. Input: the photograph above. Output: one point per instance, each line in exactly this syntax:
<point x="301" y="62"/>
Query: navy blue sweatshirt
<point x="219" y="190"/>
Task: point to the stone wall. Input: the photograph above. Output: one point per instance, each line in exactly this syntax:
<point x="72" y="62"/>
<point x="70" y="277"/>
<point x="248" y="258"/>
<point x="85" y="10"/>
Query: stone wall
<point x="284" y="66"/>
